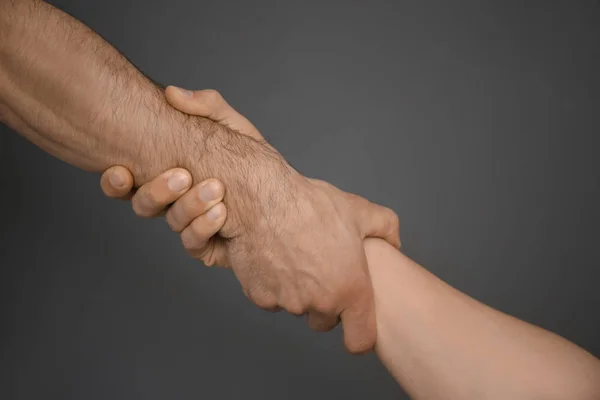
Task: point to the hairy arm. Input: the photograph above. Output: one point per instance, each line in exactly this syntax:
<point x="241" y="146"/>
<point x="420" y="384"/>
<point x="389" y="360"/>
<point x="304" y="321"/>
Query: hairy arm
<point x="75" y="96"/>
<point x="71" y="93"/>
<point x="441" y="344"/>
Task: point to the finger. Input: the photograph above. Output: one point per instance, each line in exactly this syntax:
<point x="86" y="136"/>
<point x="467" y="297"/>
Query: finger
<point x="358" y="320"/>
<point x="194" y="203"/>
<point x="210" y="104"/>
<point x="199" y="238"/>
<point x="215" y="253"/>
<point x="198" y="233"/>
<point x="320" y="322"/>
<point x="377" y="221"/>
<point x="117" y="182"/>
<point x="155" y="196"/>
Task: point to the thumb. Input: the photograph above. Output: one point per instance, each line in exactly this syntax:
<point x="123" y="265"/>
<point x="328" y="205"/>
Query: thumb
<point x="210" y="104"/>
<point x="377" y="221"/>
<point x="117" y="182"/>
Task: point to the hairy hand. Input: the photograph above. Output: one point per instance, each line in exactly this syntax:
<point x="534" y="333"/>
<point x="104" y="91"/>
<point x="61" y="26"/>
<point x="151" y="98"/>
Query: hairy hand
<point x="293" y="243"/>
<point x="305" y="254"/>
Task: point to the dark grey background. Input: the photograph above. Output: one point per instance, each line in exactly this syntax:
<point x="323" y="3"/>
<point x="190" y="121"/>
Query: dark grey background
<point x="476" y="123"/>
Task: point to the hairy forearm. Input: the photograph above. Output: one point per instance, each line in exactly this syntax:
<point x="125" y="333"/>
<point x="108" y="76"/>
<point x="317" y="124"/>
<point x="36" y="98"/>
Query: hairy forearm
<point x="441" y="344"/>
<point x="78" y="97"/>
<point x="71" y="93"/>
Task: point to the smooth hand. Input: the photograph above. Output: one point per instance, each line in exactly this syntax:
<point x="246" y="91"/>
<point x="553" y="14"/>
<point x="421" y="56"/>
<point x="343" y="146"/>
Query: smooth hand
<point x="301" y="246"/>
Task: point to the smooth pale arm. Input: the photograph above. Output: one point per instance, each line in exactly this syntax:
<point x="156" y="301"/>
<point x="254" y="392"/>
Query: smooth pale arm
<point x="439" y="343"/>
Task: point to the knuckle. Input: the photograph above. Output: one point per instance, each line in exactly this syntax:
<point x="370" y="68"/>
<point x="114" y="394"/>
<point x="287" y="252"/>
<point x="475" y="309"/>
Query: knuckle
<point x="295" y="308"/>
<point x="325" y="304"/>
<point x="151" y="199"/>
<point x="265" y="302"/>
<point x="356" y="200"/>
<point x="261" y="297"/>
<point x="394" y="219"/>
<point x="186" y="209"/>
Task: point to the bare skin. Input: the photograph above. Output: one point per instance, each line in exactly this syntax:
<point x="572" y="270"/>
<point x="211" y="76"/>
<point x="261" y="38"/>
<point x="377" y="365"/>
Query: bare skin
<point x="437" y="342"/>
<point x="69" y="92"/>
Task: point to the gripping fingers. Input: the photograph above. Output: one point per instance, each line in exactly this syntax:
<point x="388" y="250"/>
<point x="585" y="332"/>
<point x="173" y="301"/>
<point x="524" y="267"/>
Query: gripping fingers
<point x="196" y="236"/>
<point x="153" y="197"/>
<point x="194" y="203"/>
<point x="359" y="321"/>
<point x="117" y="182"/>
<point x="378" y="221"/>
<point x="210" y="104"/>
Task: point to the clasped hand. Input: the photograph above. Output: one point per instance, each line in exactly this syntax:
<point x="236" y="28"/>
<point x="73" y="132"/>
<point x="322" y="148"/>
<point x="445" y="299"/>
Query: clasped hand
<point x="303" y="253"/>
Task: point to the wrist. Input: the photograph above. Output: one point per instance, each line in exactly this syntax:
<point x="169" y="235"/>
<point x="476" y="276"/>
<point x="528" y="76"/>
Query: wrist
<point x="256" y="177"/>
<point x="164" y="139"/>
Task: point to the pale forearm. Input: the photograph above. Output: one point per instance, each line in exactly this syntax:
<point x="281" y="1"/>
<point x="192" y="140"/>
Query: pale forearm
<point x="441" y="344"/>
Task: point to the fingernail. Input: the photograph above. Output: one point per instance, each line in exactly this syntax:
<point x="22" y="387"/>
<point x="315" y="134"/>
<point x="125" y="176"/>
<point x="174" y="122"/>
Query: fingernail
<point x="178" y="182"/>
<point x="208" y="192"/>
<point x="214" y="213"/>
<point x="185" y="92"/>
<point x="117" y="180"/>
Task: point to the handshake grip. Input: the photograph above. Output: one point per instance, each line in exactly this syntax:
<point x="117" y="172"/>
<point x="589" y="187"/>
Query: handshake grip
<point x="293" y="243"/>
